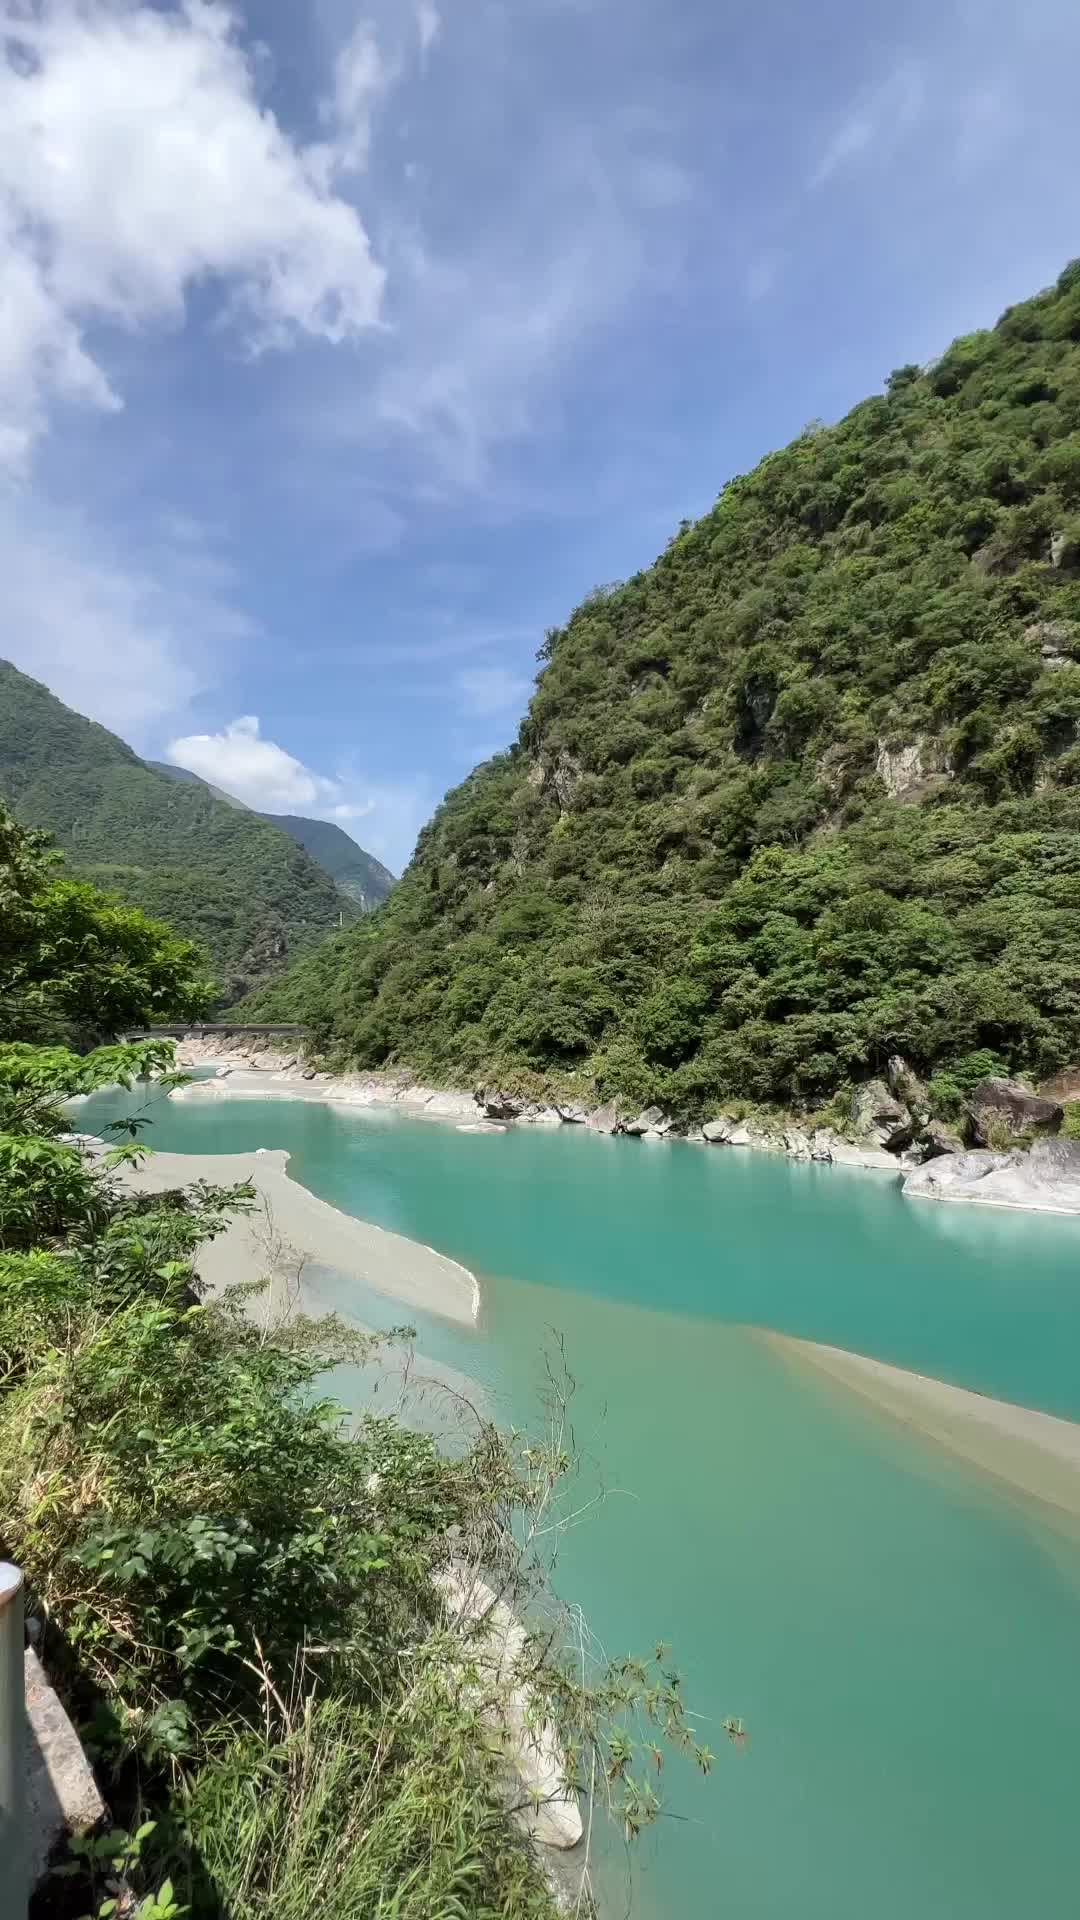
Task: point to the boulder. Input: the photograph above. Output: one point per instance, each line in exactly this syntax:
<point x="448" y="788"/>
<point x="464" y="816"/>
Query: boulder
<point x="604" y="1119"/>
<point x="822" y="1142"/>
<point x="718" y="1132"/>
<point x="938" y="1138"/>
<point x="879" y="1118"/>
<point x="650" y="1120"/>
<point x="796" y="1144"/>
<point x="571" y="1112"/>
<point x="308" y="1073"/>
<point x="1046" y="1180"/>
<point x="1007" y="1108"/>
<point x="497" y="1105"/>
<point x="904" y="1083"/>
<point x="739" y="1137"/>
<point x="1054" y="639"/>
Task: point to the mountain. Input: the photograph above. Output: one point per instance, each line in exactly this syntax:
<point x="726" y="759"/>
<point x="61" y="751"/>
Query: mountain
<point x="804" y="793"/>
<point x="360" y="877"/>
<point x="185" y="777"/>
<point x="223" y="876"/>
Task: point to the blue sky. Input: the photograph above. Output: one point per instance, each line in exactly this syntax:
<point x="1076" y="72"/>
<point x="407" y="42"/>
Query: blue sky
<point x="344" y="348"/>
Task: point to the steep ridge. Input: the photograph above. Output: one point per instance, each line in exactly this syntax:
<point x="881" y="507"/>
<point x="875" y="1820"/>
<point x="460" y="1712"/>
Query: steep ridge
<point x="219" y="874"/>
<point x="802" y="795"/>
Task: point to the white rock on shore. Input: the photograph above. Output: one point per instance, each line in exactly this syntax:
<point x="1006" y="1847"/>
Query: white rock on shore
<point x="1044" y="1180"/>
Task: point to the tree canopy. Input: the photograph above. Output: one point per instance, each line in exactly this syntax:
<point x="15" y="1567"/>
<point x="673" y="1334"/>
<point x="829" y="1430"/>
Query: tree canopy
<point x="804" y="792"/>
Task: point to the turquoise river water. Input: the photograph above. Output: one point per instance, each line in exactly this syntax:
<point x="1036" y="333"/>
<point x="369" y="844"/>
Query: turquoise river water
<point x="898" y="1635"/>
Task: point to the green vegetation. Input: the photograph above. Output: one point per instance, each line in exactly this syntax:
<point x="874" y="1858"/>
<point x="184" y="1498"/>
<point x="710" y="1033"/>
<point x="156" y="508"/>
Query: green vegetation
<point x="361" y="877"/>
<point x="222" y="876"/>
<point x="803" y="794"/>
<point x="236" y="1579"/>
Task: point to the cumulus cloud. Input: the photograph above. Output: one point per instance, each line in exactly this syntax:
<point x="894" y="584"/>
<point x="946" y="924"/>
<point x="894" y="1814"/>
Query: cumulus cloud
<point x="258" y="771"/>
<point x="135" y="162"/>
<point x="269" y="778"/>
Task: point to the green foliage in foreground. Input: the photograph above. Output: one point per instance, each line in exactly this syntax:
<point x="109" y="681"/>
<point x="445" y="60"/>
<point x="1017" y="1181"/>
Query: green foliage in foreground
<point x="229" y="879"/>
<point x="804" y="793"/>
<point x="237" y="1580"/>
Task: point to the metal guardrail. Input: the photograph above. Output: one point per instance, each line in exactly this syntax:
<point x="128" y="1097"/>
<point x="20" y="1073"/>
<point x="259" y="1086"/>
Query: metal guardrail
<point x="14" y="1891"/>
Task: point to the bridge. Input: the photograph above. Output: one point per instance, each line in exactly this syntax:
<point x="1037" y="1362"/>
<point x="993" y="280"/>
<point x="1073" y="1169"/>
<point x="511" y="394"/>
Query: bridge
<point x="221" y="1030"/>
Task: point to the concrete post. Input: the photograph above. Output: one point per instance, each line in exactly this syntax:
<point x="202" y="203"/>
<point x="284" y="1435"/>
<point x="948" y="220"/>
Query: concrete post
<point x="14" y="1892"/>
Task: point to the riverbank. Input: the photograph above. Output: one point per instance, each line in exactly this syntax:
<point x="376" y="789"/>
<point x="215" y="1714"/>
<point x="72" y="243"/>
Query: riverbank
<point x="1042" y="1179"/>
<point x="291" y="1226"/>
<point x="1033" y="1454"/>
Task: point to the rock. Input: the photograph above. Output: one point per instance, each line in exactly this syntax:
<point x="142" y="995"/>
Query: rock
<point x="497" y="1647"/>
<point x="500" y="1106"/>
<point x="650" y="1120"/>
<point x="1054" y="639"/>
<point x="738" y="1137"/>
<point x="879" y="1118"/>
<point x="796" y="1144"/>
<point x="846" y="1154"/>
<point x="1059" y="545"/>
<point x="1064" y="1086"/>
<point x="604" y="1119"/>
<point x="1046" y="1180"/>
<point x="572" y="1112"/>
<point x="938" y="1138"/>
<point x="900" y="768"/>
<point x="223" y="1073"/>
<point x="62" y="1794"/>
<point x="718" y="1132"/>
<point x="822" y="1142"/>
<point x="308" y="1073"/>
<point x="1008" y="1108"/>
<point x="904" y="1083"/>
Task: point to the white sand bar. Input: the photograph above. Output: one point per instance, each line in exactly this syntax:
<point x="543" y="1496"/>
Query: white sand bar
<point x="288" y="1216"/>
<point x="1035" y="1454"/>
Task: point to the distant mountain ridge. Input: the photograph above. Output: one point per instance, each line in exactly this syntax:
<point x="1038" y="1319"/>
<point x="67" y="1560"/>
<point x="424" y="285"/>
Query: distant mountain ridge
<point x="361" y="878"/>
<point x="224" y="876"/>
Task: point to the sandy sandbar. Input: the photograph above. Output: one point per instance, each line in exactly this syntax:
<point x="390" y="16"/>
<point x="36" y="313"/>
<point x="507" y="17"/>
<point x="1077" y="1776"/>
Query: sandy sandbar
<point x="1035" y="1454"/>
<point x="290" y="1221"/>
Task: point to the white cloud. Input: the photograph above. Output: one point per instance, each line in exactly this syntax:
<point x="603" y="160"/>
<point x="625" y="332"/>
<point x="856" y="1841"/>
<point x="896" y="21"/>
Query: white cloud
<point x="490" y="690"/>
<point x="428" y="25"/>
<point x="125" y="641"/>
<point x="877" y="120"/>
<point x="269" y="778"/>
<point x="360" y="79"/>
<point x="135" y="163"/>
<point x="257" y="771"/>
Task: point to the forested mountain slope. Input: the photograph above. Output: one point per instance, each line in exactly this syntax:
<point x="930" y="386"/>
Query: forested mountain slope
<point x="361" y="878"/>
<point x="221" y="875"/>
<point x="805" y="792"/>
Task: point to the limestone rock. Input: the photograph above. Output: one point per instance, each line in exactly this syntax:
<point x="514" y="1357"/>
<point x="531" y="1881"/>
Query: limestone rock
<point x="498" y="1105"/>
<point x="822" y="1142"/>
<point x="1058" y="546"/>
<point x="604" y="1119"/>
<point x="650" y="1120"/>
<point x="1046" y="1180"/>
<point x="900" y="768"/>
<point x="938" y="1138"/>
<point x="796" y="1144"/>
<point x="718" y="1132"/>
<point x="904" y="1083"/>
<point x="571" y="1112"/>
<point x="1007" y="1106"/>
<point x="1054" y="639"/>
<point x="879" y="1118"/>
<point x="739" y="1137"/>
<point x="545" y="1804"/>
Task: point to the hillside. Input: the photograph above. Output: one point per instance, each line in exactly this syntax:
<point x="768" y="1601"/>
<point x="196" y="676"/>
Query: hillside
<point x="803" y="793"/>
<point x="361" y="878"/>
<point x="221" y="875"/>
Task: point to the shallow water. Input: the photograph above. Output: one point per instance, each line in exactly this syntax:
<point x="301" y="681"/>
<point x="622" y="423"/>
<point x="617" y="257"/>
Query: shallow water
<point x="899" y="1639"/>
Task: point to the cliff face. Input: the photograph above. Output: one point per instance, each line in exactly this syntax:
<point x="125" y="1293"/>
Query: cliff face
<point x="803" y="794"/>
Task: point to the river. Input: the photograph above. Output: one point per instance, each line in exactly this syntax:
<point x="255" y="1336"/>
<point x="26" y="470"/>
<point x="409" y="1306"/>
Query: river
<point x="898" y="1635"/>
